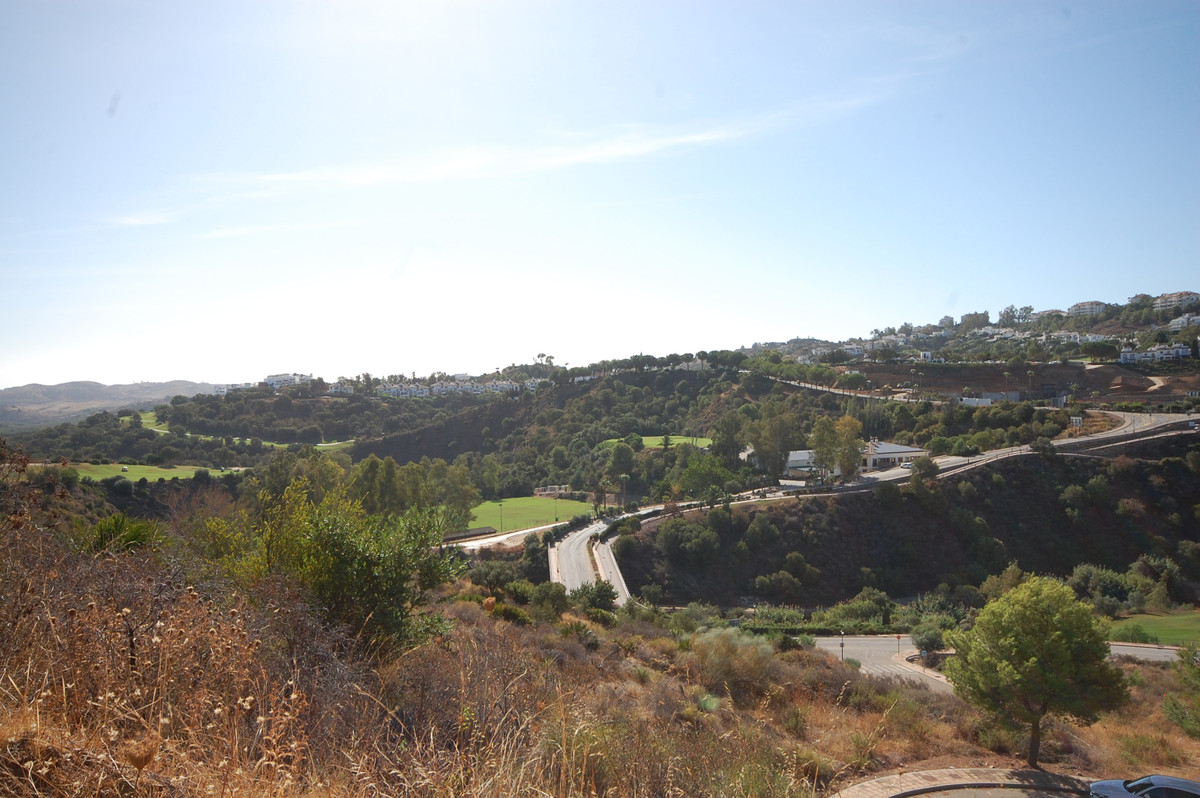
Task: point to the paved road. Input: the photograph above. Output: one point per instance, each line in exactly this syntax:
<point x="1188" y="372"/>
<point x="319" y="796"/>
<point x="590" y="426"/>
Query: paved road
<point x="969" y="783"/>
<point x="1149" y="653"/>
<point x="574" y="561"/>
<point x="877" y="655"/>
<point x="572" y="564"/>
<point x="574" y="558"/>
<point x="606" y="563"/>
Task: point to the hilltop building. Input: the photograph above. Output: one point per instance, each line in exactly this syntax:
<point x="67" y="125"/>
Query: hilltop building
<point x="1086" y="309"/>
<point x="277" y="381"/>
<point x="1176" y="300"/>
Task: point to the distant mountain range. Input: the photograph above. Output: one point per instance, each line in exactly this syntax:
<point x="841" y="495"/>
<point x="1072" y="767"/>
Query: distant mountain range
<point x="38" y="405"/>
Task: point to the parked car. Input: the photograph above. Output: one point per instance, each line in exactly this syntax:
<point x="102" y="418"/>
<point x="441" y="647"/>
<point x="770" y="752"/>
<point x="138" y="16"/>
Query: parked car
<point x="1147" y="787"/>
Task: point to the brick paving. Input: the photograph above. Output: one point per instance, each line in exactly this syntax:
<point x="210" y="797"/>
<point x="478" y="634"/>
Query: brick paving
<point x="1028" y="782"/>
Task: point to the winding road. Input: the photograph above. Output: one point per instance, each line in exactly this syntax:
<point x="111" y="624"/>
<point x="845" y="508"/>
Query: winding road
<point x="884" y="656"/>
<point x="577" y="559"/>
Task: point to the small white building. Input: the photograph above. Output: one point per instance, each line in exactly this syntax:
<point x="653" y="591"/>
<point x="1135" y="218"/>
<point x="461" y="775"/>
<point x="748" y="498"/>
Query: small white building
<point x="1154" y="354"/>
<point x="881" y="454"/>
<point x="801" y="463"/>
<point x="876" y="455"/>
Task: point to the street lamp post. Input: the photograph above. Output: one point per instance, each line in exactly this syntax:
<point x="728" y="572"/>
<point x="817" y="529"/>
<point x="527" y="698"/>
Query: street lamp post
<point x="843" y="645"/>
<point x="501" y="503"/>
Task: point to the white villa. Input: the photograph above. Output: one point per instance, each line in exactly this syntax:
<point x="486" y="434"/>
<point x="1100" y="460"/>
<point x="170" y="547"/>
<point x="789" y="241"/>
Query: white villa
<point x="1156" y="353"/>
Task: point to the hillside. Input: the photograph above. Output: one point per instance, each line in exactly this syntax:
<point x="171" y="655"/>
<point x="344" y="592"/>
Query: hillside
<point x="1102" y="382"/>
<point x="182" y="659"/>
<point x="956" y="531"/>
<point x="41" y="405"/>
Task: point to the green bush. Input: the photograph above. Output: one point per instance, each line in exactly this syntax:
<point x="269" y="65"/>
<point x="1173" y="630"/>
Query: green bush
<point x="928" y="637"/>
<point x="733" y="661"/>
<point x="1131" y="633"/>
<point x="512" y="614"/>
<point x="605" y="618"/>
<point x="549" y="600"/>
<point x="521" y="590"/>
<point x="795" y="721"/>
<point x="119" y="532"/>
<point x="580" y="630"/>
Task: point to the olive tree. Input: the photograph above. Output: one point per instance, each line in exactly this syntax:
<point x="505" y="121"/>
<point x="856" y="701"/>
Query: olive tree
<point x="1036" y="651"/>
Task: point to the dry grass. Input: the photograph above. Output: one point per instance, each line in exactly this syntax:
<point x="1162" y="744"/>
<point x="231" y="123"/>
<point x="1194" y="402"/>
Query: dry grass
<point x="117" y="678"/>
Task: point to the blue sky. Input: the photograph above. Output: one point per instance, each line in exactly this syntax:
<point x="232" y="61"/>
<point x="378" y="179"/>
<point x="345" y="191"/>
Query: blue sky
<point x="217" y="191"/>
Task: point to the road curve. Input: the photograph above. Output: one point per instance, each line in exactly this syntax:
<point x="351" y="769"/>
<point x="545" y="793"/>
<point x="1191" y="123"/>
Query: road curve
<point x="884" y="655"/>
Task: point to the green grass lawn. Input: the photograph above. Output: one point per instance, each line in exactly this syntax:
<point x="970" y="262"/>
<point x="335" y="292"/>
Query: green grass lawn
<point x="655" y="441"/>
<point x="1170" y="629"/>
<point x="136" y="472"/>
<point x="527" y="511"/>
<point x="150" y="421"/>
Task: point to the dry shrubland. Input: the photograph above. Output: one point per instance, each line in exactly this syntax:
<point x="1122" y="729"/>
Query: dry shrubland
<point x="142" y="673"/>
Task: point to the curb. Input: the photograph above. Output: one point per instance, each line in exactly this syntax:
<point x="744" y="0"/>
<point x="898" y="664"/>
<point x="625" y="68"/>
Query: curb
<point x="965" y="779"/>
<point x="991" y="785"/>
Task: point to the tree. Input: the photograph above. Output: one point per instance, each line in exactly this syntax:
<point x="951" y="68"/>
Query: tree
<point x="923" y="468"/>
<point x="824" y="443"/>
<point x="1036" y="651"/>
<point x="849" y="446"/>
<point x="1099" y="350"/>
<point x="620" y="460"/>
<point x="727" y="439"/>
<point x="771" y="436"/>
<point x="1184" y="709"/>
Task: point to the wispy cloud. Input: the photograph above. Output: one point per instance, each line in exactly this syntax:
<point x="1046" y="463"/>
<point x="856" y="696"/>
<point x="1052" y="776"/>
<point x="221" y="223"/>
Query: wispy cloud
<point x="239" y="231"/>
<point x="488" y="161"/>
<point x="554" y="151"/>
<point x="558" y="151"/>
<point x="144" y="219"/>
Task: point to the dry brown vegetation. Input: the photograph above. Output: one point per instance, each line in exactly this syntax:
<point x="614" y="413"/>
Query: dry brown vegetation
<point x="143" y="673"/>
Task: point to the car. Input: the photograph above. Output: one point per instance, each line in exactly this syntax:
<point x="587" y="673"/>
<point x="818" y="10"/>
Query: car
<point x="906" y="465"/>
<point x="1146" y="787"/>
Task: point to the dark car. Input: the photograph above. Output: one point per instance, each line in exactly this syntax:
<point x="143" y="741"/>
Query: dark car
<point x="1147" y="787"/>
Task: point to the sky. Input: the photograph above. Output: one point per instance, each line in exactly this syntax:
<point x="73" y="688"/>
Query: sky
<point x="216" y="191"/>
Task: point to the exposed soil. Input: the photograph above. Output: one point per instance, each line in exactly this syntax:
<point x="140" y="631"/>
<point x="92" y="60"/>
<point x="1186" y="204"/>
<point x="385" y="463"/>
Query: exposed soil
<point x="1109" y="381"/>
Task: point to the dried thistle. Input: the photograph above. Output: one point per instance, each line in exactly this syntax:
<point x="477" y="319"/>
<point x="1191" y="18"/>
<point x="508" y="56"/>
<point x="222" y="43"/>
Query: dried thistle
<point x="141" y="753"/>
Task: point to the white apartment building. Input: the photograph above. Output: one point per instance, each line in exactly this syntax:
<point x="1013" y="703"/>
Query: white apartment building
<point x="1086" y="309"/>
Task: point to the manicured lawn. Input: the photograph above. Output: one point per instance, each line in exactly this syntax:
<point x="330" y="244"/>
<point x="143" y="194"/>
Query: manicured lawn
<point x="136" y="472"/>
<point x="655" y="441"/>
<point x="527" y="511"/>
<point x="150" y="421"/>
<point x="1171" y="629"/>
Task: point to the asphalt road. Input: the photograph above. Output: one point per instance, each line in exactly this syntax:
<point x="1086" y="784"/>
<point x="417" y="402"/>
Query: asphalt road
<point x="574" y="560"/>
<point x="572" y="564"/>
<point x="877" y="656"/>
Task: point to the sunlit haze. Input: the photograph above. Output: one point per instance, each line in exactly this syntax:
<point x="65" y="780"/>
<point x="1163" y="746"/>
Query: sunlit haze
<point x="216" y="191"/>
